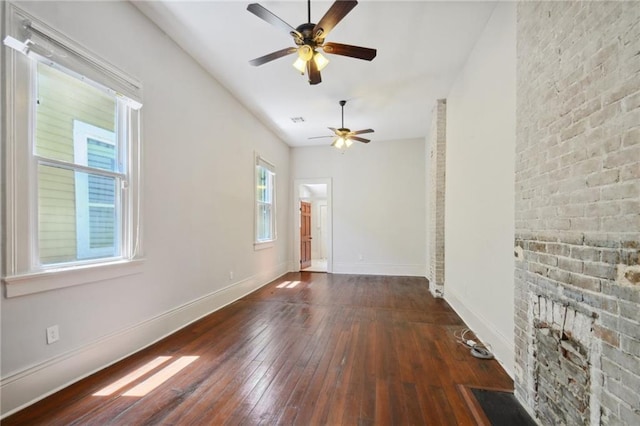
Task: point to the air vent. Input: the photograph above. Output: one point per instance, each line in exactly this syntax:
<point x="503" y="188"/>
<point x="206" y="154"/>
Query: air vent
<point x="297" y="119"/>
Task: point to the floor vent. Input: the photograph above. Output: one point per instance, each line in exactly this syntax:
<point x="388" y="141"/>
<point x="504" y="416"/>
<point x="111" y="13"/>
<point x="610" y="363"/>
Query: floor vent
<point x="495" y="407"/>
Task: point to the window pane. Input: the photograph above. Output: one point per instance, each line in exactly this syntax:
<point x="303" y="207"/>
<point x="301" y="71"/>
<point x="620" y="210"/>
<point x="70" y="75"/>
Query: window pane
<point x="61" y="99"/>
<point x="77" y="214"/>
<point x="261" y="194"/>
<point x="101" y="227"/>
<point x="268" y="192"/>
<point x="264" y="222"/>
<point x="96" y="215"/>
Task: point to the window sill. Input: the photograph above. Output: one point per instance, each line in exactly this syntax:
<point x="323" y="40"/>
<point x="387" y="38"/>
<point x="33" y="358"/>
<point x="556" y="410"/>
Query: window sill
<point x="38" y="282"/>
<point x="264" y="245"/>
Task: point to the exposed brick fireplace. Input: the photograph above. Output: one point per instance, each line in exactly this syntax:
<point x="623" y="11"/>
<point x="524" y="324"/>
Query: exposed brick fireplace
<point x="564" y="360"/>
<point x="577" y="295"/>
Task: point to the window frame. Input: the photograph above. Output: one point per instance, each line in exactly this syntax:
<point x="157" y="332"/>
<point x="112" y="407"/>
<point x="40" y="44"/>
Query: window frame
<point x="270" y="169"/>
<point x="23" y="274"/>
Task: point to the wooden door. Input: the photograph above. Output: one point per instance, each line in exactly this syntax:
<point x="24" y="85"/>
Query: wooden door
<point x="305" y="235"/>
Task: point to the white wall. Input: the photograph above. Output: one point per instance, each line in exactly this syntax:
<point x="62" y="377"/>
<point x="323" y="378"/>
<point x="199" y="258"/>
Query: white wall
<point x="378" y="204"/>
<point x="479" y="206"/>
<point x="199" y="145"/>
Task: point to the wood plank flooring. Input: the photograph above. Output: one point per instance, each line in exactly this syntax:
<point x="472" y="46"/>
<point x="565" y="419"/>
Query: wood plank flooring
<point x="307" y="349"/>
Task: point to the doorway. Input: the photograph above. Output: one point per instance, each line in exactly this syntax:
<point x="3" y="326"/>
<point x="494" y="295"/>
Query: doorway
<point x="313" y="227"/>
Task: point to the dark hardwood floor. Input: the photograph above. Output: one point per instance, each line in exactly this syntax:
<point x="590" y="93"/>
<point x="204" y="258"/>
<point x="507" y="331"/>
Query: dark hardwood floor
<point x="307" y="349"/>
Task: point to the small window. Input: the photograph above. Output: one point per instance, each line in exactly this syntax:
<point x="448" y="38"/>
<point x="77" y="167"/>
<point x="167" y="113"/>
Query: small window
<point x="265" y="201"/>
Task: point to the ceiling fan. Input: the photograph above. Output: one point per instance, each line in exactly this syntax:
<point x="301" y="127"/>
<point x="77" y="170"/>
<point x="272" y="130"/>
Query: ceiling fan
<point x="309" y="37"/>
<point x="344" y="137"/>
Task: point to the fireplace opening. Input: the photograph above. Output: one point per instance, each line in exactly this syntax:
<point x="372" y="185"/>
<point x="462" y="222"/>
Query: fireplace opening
<point x="562" y="367"/>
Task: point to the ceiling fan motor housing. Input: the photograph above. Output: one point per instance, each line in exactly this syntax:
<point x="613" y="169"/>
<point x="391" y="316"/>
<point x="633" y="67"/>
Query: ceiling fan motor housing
<point x="308" y="37"/>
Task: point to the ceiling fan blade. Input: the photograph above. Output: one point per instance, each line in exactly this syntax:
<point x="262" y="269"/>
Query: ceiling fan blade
<point x="349" y="50"/>
<point x="359" y="132"/>
<point x="356" y="138"/>
<point x="336" y="12"/>
<point x="263" y="13"/>
<point x="313" y="73"/>
<point x="271" y="56"/>
<point x="333" y="130"/>
<point x="321" y="137"/>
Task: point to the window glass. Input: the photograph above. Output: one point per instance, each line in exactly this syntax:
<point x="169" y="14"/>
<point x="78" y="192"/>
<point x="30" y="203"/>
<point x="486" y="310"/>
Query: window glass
<point x="61" y="99"/>
<point x="78" y="203"/>
<point x="265" y="195"/>
<point x="56" y="215"/>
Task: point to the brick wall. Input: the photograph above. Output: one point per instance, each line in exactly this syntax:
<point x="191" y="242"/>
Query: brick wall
<point x="578" y="206"/>
<point x="436" y="188"/>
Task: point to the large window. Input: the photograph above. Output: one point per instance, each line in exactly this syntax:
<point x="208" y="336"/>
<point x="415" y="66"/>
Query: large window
<point x="72" y="175"/>
<point x="265" y="201"/>
<point x="80" y="161"/>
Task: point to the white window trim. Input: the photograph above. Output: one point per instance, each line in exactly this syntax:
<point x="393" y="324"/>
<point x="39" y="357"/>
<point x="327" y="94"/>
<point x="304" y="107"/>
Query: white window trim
<point x="261" y="245"/>
<point x="54" y="279"/>
<point x="22" y="274"/>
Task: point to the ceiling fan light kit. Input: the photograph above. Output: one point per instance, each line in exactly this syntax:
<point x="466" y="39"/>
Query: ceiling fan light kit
<point x="309" y="37"/>
<point x="305" y="54"/>
<point x="320" y="61"/>
<point x="342" y="143"/>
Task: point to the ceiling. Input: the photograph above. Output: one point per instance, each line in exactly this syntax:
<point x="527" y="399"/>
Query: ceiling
<point x="421" y="47"/>
<point x="316" y="190"/>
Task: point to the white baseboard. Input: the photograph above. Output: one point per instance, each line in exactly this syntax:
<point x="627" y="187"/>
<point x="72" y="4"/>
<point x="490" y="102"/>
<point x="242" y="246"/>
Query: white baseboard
<point x="35" y="383"/>
<point x="503" y="349"/>
<point x="379" y="269"/>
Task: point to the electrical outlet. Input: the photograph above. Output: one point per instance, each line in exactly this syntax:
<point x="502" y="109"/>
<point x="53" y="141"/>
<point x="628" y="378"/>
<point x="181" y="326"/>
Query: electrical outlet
<point x="230" y="275"/>
<point x="53" y="334"/>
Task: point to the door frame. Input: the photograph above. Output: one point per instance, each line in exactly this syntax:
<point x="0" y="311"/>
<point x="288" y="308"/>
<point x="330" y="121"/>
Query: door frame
<point x="296" y="221"/>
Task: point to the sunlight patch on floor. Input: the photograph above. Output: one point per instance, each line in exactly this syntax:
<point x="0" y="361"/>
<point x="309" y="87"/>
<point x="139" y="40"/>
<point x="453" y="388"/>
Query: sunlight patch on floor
<point x="288" y="284"/>
<point x="131" y="377"/>
<point x="160" y="377"/>
<point x="152" y="382"/>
